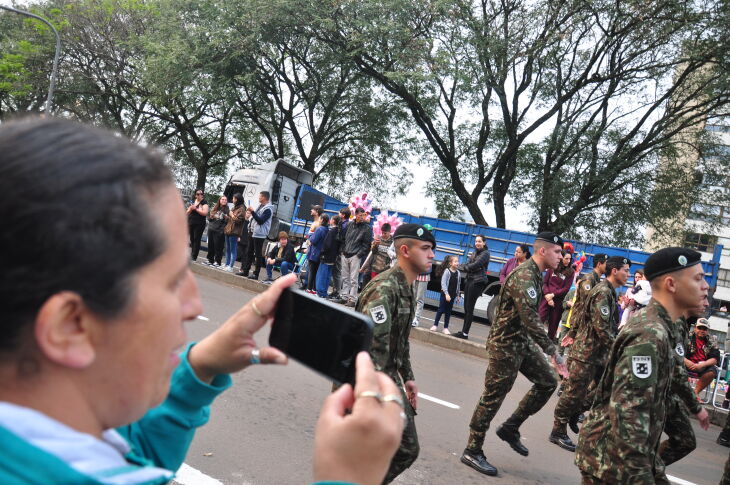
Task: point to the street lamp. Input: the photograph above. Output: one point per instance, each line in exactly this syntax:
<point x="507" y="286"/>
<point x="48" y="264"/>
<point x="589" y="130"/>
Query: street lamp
<point x="54" y="70"/>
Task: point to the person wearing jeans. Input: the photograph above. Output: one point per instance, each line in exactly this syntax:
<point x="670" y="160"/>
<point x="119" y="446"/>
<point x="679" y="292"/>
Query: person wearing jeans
<point x="450" y="290"/>
<point x="330" y="252"/>
<point x="282" y="256"/>
<point x="476" y="282"/>
<point x="234" y="227"/>
<point x="259" y="227"/>
<point x="357" y="245"/>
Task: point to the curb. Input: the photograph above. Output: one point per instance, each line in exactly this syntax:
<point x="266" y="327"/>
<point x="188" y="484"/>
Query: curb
<point x="417" y="333"/>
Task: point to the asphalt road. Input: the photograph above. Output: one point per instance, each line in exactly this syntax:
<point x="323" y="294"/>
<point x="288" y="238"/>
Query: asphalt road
<point x="261" y="430"/>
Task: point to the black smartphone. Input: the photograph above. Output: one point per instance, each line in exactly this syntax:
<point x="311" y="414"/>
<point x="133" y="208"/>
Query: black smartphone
<point x="320" y="334"/>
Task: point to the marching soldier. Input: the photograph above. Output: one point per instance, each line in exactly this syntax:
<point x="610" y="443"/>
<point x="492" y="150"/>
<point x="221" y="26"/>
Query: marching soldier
<point x="583" y="287"/>
<point x="619" y="440"/>
<point x="589" y="351"/>
<point x="388" y="300"/>
<point x="682" y="441"/>
<point x="513" y="347"/>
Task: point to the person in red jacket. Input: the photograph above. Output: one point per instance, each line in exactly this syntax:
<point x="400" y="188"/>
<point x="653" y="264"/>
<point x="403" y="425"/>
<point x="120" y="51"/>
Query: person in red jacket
<point x="556" y="285"/>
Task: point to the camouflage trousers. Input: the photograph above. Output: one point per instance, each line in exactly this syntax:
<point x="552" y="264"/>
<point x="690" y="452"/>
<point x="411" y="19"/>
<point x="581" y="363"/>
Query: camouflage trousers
<point x="408" y="449"/>
<point x="502" y="369"/>
<point x="576" y="396"/>
<point x="678" y="428"/>
<point x="726" y="475"/>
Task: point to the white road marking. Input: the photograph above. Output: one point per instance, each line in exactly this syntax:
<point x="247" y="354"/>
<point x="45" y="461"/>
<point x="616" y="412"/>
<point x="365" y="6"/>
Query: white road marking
<point x="679" y="481"/>
<point x="205" y="319"/>
<point x="438" y="401"/>
<point x="188" y="475"/>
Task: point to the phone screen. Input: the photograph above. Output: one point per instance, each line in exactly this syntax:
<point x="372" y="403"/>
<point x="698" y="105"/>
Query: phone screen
<point x="321" y="335"/>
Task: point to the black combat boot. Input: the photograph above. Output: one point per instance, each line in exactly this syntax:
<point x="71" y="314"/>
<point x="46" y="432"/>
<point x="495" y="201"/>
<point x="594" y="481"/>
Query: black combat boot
<point x="509" y="432"/>
<point x="562" y="440"/>
<point x="478" y="461"/>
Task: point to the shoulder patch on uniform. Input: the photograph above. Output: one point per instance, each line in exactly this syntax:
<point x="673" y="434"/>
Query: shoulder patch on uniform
<point x="587" y="287"/>
<point x="531" y="292"/>
<point x="641" y="366"/>
<point x="605" y="311"/>
<point x="378" y="314"/>
<point x="679" y="349"/>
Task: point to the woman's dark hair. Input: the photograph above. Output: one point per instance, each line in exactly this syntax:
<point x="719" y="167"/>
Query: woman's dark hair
<point x="324" y="219"/>
<point x="526" y="251"/>
<point x="237" y="199"/>
<point x="443" y="266"/>
<point x="91" y="229"/>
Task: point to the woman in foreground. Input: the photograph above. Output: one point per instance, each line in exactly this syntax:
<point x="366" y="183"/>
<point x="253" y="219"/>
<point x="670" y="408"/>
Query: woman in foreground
<point x="97" y="383"/>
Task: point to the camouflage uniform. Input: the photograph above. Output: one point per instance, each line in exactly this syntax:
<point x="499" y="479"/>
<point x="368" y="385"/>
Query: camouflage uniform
<point x="512" y="348"/>
<point x="388" y="300"/>
<point x="583" y="288"/>
<point x="618" y="442"/>
<point x="678" y="427"/>
<point x="588" y="353"/>
<point x="725" y="480"/>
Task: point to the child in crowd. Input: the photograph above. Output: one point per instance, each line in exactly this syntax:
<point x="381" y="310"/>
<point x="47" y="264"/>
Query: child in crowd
<point x="450" y="290"/>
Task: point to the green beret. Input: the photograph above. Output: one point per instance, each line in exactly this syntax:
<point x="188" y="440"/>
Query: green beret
<point x="668" y="260"/>
<point x="414" y="231"/>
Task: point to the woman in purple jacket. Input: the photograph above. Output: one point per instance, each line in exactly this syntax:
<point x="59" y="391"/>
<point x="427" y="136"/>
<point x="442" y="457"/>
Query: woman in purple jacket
<point x="522" y="254"/>
<point x="556" y="285"/>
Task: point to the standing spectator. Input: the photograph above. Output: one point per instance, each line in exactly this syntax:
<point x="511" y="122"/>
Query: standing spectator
<point x="197" y="212"/>
<point x="337" y="267"/>
<point x="702" y="355"/>
<point x="316" y="212"/>
<point x="419" y="293"/>
<point x="379" y="258"/>
<point x="316" y="242"/>
<point x="358" y="237"/>
<point x="233" y="230"/>
<point x="244" y="243"/>
<point x="568" y="304"/>
<point x="216" y="225"/>
<point x="637" y="297"/>
<point x="259" y="227"/>
<point x="556" y="285"/>
<point x="330" y="254"/>
<point x="476" y="282"/>
<point x="450" y="291"/>
<point x="281" y="255"/>
<point x="522" y="254"/>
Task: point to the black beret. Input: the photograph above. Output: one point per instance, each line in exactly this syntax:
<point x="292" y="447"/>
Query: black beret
<point x="414" y="231"/>
<point x="550" y="237"/>
<point x="618" y="260"/>
<point x="599" y="258"/>
<point x="670" y="259"/>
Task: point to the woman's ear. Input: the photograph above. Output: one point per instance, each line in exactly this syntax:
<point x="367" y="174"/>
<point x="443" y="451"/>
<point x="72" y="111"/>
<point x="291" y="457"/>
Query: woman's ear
<point x="63" y="330"/>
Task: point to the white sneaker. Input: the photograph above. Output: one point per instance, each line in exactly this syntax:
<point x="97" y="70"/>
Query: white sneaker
<point x="446" y="331"/>
<point x="217" y="265"/>
<point x="434" y="328"/>
<point x="414" y="323"/>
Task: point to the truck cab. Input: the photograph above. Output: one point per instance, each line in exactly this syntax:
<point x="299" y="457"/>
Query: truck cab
<point x="281" y="179"/>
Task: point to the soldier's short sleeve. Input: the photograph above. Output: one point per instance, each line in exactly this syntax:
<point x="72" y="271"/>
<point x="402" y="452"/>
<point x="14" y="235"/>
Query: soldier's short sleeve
<point x="378" y="307"/>
<point x="633" y="401"/>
